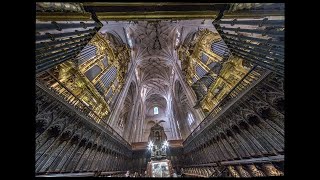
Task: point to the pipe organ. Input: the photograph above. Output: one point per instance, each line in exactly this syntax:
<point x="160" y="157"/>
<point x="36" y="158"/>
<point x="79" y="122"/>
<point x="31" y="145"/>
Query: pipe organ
<point x="93" y="79"/>
<point x="210" y="69"/>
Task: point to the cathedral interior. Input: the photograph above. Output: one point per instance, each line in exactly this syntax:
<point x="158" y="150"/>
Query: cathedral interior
<point x="159" y="89"/>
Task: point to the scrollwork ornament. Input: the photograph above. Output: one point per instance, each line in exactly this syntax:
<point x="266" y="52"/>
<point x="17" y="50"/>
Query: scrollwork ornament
<point x="242" y="171"/>
<point x="233" y="172"/>
<point x="271" y="170"/>
<point x="255" y="171"/>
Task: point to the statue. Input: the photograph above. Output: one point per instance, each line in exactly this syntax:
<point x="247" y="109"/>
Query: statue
<point x="158" y="137"/>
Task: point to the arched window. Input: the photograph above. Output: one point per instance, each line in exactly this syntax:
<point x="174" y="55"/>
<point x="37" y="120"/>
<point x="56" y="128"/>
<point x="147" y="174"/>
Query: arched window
<point x="190" y="119"/>
<point x="155" y="110"/>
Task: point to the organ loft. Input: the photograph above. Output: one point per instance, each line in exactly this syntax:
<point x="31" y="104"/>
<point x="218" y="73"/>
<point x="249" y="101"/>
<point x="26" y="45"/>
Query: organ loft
<point x="159" y="89"/>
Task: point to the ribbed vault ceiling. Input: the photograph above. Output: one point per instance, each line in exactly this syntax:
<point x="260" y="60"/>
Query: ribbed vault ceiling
<point x="153" y="46"/>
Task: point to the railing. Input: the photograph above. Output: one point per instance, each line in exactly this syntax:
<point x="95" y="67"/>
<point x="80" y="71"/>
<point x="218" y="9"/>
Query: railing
<point x="81" y="174"/>
<point x="194" y="175"/>
<point x="266" y="159"/>
<point x="220" y="169"/>
<point x="254" y="75"/>
<point x="86" y="174"/>
<point x="64" y="93"/>
<point x="112" y="173"/>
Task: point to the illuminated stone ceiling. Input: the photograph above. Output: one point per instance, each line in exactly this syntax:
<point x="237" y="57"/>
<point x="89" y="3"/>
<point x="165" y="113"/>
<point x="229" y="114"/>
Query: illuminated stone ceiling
<point x="153" y="45"/>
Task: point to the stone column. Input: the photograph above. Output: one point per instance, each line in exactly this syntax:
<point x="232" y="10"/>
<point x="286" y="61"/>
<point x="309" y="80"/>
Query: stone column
<point x="137" y="118"/>
<point x="199" y="115"/>
<point x="127" y="134"/>
<point x="131" y="135"/>
<point x="186" y="129"/>
<point x="141" y="118"/>
<point x="171" y="121"/>
<point x="116" y="110"/>
<point x="174" y="120"/>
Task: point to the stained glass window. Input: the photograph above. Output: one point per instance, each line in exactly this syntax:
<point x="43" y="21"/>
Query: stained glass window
<point x="155" y="110"/>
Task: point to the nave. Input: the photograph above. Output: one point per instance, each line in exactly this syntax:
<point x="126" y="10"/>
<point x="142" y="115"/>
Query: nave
<point x="159" y="89"/>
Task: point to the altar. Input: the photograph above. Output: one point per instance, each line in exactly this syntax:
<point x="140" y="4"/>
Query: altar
<point x="159" y="165"/>
<point x="159" y="168"/>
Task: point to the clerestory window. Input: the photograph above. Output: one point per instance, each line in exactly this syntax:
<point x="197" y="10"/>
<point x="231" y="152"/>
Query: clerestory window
<point x="155" y="110"/>
<point x="190" y="119"/>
